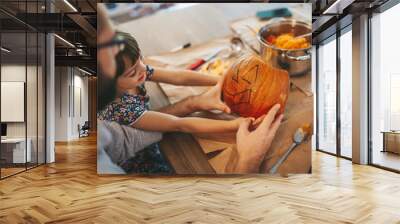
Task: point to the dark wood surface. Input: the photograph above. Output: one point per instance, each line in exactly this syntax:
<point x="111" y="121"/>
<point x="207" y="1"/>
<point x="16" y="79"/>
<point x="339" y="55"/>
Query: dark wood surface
<point x="181" y="150"/>
<point x="391" y="141"/>
<point x="185" y="154"/>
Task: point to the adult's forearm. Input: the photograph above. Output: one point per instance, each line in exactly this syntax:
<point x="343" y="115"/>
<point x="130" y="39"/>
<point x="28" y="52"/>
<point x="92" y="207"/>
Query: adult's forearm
<point x="241" y="165"/>
<point x="247" y="166"/>
<point x="123" y="142"/>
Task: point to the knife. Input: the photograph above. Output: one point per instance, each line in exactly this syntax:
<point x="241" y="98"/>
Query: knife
<point x="201" y="61"/>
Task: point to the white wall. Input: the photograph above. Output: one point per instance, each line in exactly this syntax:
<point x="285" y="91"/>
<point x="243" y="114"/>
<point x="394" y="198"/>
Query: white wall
<point x="79" y="117"/>
<point x="385" y="71"/>
<point x="12" y="73"/>
<point x="70" y="83"/>
<point x="33" y="127"/>
<point x="61" y="103"/>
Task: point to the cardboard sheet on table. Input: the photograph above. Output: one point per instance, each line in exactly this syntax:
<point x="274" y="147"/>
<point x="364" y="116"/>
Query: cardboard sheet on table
<point x="209" y="145"/>
<point x="220" y="161"/>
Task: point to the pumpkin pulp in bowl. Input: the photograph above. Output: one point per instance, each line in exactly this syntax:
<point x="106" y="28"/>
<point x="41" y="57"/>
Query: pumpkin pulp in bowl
<point x="288" y="41"/>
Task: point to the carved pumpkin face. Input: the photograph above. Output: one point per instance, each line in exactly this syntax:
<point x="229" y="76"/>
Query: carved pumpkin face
<point x="251" y="87"/>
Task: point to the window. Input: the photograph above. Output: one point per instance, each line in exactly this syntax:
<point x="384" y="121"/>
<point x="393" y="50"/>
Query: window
<point x="346" y="92"/>
<point x="394" y="117"/>
<point x="22" y="75"/>
<point x="327" y="96"/>
<point x="385" y="89"/>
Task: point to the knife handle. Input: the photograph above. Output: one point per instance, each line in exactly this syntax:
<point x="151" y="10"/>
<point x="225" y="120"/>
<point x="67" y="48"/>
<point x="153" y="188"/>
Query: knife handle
<point x="196" y="64"/>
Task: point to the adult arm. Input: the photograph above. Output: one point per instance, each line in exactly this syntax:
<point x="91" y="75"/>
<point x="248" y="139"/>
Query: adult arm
<point x="121" y="142"/>
<point x="252" y="146"/>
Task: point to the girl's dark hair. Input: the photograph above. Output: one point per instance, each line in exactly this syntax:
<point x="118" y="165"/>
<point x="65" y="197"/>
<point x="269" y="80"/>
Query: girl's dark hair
<point x="106" y="89"/>
<point x="131" y="50"/>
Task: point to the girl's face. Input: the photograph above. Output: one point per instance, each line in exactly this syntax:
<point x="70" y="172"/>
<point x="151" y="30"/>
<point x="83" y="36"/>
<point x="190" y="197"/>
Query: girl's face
<point x="134" y="74"/>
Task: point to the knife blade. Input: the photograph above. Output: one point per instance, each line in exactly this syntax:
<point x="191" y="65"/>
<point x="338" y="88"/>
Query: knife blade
<point x="201" y="61"/>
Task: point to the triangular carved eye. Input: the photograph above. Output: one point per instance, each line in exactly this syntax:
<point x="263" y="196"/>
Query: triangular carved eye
<point x="242" y="97"/>
<point x="235" y="77"/>
<point x="251" y="76"/>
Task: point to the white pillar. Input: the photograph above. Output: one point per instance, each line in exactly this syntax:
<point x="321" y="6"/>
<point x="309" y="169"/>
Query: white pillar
<point x="50" y="98"/>
<point x="360" y="90"/>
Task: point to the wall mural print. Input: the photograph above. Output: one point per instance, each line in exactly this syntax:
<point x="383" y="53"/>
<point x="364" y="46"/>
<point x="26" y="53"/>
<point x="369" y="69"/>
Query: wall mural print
<point x="220" y="95"/>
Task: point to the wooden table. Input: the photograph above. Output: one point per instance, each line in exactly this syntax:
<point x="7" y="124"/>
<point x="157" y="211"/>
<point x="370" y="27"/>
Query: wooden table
<point x="209" y="153"/>
<point x="181" y="150"/>
<point x="391" y="141"/>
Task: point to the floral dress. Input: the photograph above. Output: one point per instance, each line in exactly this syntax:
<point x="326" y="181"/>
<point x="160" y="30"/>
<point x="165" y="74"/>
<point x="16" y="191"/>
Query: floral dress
<point x="126" y="112"/>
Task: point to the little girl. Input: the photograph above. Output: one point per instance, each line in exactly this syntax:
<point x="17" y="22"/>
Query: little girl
<point x="131" y="106"/>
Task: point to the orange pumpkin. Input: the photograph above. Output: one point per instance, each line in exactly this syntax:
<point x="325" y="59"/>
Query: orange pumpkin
<point x="251" y="87"/>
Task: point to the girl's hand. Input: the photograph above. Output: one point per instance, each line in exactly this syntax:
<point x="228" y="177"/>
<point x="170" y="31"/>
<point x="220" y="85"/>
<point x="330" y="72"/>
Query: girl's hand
<point x="211" y="99"/>
<point x="242" y="120"/>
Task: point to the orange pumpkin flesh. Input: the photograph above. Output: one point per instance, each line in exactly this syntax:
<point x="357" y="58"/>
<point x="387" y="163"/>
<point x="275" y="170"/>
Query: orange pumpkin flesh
<point x="251" y="87"/>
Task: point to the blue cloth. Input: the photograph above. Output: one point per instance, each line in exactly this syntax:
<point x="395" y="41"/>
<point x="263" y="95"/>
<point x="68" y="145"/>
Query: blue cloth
<point x="148" y="161"/>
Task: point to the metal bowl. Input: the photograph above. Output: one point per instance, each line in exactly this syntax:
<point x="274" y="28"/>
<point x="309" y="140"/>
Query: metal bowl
<point x="297" y="62"/>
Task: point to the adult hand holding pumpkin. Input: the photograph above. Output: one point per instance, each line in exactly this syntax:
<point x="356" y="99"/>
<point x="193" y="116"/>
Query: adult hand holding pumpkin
<point x="252" y="146"/>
